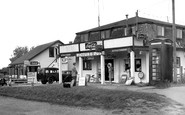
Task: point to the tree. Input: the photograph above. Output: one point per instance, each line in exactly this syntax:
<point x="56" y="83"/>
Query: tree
<point x="18" y="52"/>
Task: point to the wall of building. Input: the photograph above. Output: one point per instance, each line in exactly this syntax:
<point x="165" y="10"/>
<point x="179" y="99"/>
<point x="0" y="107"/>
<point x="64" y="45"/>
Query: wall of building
<point x="119" y="66"/>
<point x="45" y="60"/>
<point x="95" y="67"/>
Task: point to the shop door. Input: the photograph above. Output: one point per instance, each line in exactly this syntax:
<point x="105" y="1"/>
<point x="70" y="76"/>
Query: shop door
<point x="107" y="61"/>
<point x="155" y="65"/>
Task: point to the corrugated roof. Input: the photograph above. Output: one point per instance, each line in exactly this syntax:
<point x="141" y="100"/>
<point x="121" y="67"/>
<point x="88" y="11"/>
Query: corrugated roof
<point x="130" y="21"/>
<point x="33" y="53"/>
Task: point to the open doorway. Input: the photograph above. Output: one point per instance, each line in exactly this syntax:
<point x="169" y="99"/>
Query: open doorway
<point x="107" y="61"/>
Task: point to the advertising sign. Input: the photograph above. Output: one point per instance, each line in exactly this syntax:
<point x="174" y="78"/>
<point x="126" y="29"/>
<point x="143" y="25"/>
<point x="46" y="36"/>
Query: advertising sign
<point x="32" y="77"/>
<point x="82" y="81"/>
<point x="34" y="63"/>
<point x="90" y="45"/>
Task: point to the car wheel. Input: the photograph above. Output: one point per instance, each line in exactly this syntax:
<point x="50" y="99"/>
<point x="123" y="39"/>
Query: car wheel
<point x="43" y="81"/>
<point x="50" y="80"/>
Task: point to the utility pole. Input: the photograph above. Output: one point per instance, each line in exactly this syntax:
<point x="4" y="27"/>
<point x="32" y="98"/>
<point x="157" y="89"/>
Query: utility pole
<point x="174" y="43"/>
<point x="98" y="14"/>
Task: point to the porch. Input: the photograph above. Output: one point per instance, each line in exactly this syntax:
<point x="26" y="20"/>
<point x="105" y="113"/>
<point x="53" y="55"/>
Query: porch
<point x="126" y="53"/>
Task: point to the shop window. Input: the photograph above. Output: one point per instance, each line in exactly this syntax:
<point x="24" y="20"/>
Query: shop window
<point x="137" y="65"/>
<point x="87" y="65"/>
<point x="179" y="33"/>
<point x="178" y="61"/>
<point x="51" y="52"/>
<point x="127" y="64"/>
<point x="160" y="31"/>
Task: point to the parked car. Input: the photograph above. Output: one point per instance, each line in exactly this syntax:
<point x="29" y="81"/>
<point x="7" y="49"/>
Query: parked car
<point x="52" y="74"/>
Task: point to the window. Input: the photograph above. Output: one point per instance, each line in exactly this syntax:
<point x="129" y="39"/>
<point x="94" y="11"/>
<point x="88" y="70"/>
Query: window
<point x="178" y="61"/>
<point x="179" y="33"/>
<point x="137" y="65"/>
<point x="133" y="30"/>
<point x="117" y="32"/>
<point x="84" y="37"/>
<point x="127" y="64"/>
<point x="105" y="34"/>
<point x="56" y="53"/>
<point x="125" y="32"/>
<point x="160" y="30"/>
<point x="51" y="52"/>
<point x="87" y="65"/>
<point x="94" y="36"/>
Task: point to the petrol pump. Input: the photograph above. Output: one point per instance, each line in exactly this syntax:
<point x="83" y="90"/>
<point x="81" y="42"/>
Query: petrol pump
<point x="32" y="69"/>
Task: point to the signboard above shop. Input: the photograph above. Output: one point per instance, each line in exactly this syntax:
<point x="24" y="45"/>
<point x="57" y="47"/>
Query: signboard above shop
<point x="89" y="46"/>
<point x="31" y="63"/>
<point x="88" y="54"/>
<point x="34" y="63"/>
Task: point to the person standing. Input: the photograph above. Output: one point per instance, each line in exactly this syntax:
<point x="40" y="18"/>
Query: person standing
<point x="74" y="75"/>
<point x="110" y="70"/>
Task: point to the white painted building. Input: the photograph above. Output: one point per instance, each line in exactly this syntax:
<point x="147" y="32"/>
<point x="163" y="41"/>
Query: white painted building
<point x="138" y="44"/>
<point x="45" y="55"/>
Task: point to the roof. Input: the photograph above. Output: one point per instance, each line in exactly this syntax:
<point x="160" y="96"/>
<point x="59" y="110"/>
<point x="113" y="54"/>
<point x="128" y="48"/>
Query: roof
<point x="130" y="21"/>
<point x="33" y="53"/>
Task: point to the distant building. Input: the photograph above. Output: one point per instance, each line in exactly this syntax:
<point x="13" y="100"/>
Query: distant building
<point x="136" y="44"/>
<point x="44" y="55"/>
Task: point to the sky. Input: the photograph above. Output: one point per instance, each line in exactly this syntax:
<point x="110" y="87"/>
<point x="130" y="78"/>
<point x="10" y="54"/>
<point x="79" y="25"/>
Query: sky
<point x="35" y="22"/>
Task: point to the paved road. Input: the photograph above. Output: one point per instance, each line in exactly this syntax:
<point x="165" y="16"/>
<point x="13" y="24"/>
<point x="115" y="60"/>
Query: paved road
<point x="175" y="93"/>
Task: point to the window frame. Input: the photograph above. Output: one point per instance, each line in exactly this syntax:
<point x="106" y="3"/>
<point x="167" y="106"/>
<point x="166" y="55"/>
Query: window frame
<point x="179" y="33"/>
<point x="87" y="64"/>
<point x="178" y="62"/>
<point x="51" y="52"/>
<point x="160" y="30"/>
<point x="84" y="37"/>
<point x="105" y="34"/>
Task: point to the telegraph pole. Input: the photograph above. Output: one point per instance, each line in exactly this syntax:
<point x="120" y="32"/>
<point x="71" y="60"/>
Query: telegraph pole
<point x="174" y="43"/>
<point x="98" y="14"/>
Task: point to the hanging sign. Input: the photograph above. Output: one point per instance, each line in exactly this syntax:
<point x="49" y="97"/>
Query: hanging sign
<point x="34" y="63"/>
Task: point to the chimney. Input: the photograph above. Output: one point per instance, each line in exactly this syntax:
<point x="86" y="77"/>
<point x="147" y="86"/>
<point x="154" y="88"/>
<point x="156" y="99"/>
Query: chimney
<point x="126" y="24"/>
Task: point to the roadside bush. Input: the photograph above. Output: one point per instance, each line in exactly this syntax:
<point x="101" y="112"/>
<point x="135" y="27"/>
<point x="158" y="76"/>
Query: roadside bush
<point x="163" y="84"/>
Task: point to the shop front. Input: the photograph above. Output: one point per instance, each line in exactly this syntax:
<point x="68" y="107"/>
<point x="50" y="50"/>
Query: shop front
<point x="125" y="56"/>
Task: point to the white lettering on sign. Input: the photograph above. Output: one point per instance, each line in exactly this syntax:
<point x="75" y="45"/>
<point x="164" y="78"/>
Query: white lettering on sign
<point x="90" y="45"/>
<point x="88" y="54"/>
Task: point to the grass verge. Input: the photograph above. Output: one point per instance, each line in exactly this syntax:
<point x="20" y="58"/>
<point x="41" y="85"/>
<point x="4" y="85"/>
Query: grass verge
<point x="86" y="97"/>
